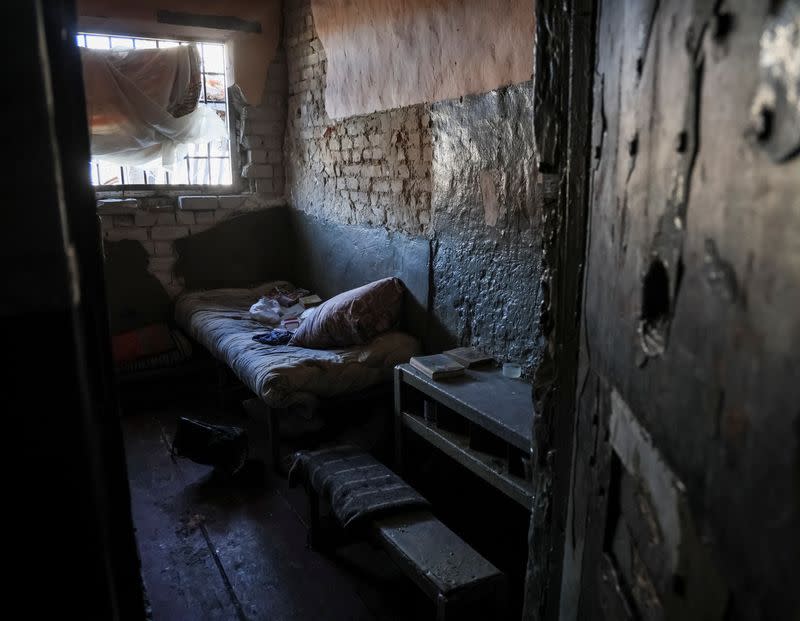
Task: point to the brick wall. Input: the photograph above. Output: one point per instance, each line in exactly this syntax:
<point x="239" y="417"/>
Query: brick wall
<point x="156" y="221"/>
<point x="373" y="170"/>
<point x="459" y="172"/>
<point x="259" y="132"/>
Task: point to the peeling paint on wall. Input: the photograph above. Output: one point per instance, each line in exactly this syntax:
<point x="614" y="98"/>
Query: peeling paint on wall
<point x="486" y="207"/>
<point x="719" y="274"/>
<point x="775" y="111"/>
<point x="710" y="260"/>
<point x="666" y="567"/>
<point x="489" y="196"/>
<point x="384" y="54"/>
<point x="459" y="172"/>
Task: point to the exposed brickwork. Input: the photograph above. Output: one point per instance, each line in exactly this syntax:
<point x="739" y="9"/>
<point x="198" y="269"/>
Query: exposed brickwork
<point x="156" y="222"/>
<point x="457" y="171"/>
<point x="373" y="170"/>
<point x="486" y="269"/>
<point x="259" y="134"/>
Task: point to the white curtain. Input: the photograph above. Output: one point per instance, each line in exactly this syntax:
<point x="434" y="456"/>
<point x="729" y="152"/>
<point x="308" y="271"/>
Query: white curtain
<point x="142" y="105"/>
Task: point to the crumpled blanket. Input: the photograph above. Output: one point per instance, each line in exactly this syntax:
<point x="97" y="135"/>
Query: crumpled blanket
<point x="356" y="485"/>
<point x="284" y="375"/>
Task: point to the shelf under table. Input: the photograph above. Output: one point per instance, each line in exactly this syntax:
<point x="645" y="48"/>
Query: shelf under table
<point x="501" y="405"/>
<point x="482" y="420"/>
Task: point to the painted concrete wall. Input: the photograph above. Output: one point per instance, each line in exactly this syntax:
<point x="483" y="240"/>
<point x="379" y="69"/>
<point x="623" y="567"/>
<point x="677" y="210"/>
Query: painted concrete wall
<point x="486" y="223"/>
<point x="457" y="172"/>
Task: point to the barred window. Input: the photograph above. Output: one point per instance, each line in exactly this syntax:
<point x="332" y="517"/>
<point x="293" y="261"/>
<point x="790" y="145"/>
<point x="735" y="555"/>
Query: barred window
<point x="204" y="164"/>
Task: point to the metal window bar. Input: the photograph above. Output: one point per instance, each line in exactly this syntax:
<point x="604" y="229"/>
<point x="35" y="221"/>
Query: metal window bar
<point x="225" y="160"/>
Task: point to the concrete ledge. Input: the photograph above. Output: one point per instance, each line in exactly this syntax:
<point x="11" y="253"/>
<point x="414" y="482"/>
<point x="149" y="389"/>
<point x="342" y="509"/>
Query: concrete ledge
<point x="233" y="201"/>
<point x="118" y="207"/>
<point x="257" y="171"/>
<point x="198" y="203"/>
<point x="168" y="233"/>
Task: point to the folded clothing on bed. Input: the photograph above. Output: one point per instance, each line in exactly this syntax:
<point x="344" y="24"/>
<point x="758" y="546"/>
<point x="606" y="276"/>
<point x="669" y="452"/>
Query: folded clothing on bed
<point x="284" y="375"/>
<point x="276" y="336"/>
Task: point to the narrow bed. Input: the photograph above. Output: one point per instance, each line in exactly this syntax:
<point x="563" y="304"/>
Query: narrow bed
<point x="285" y="375"/>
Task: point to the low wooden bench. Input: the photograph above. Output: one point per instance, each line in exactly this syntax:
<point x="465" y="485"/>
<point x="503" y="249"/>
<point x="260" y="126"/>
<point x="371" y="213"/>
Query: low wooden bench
<point x="461" y="582"/>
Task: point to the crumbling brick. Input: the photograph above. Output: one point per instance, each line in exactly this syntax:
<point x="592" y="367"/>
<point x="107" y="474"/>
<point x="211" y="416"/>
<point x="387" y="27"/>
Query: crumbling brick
<point x="168" y="232"/>
<point x="340" y="169"/>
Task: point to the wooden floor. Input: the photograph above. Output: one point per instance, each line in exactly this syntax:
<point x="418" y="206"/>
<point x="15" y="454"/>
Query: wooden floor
<point x="216" y="549"/>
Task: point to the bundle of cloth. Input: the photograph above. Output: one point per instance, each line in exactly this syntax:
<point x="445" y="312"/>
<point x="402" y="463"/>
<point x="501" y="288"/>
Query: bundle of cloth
<point x="142" y="105"/>
<point x="281" y="310"/>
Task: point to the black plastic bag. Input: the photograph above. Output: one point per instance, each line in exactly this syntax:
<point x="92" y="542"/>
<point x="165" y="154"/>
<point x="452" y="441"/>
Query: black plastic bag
<point x="221" y="446"/>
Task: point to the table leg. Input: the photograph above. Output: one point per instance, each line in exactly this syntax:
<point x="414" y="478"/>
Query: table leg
<point x="398" y="422"/>
<point x="273" y="425"/>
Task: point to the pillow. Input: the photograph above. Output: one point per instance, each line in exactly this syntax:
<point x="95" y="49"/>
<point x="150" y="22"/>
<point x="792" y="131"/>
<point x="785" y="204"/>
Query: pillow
<point x="353" y="317"/>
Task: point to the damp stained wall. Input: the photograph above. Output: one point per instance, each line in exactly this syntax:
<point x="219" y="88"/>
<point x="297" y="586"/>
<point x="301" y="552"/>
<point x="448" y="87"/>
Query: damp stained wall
<point x="691" y="328"/>
<point x="457" y="173"/>
<point x="486" y="235"/>
<point x="141" y="234"/>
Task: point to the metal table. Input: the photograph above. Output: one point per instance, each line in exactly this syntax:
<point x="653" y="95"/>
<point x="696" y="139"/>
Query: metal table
<point x="482" y="420"/>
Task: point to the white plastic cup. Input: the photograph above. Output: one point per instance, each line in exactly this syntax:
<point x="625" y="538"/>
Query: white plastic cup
<point x="512" y="369"/>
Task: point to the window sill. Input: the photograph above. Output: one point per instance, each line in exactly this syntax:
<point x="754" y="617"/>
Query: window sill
<point x="129" y="205"/>
<point x="172" y="191"/>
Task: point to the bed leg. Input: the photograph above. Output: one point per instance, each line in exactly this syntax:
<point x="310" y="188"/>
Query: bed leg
<point x="314" y="533"/>
<point x="273" y="419"/>
<point x="221" y="381"/>
<point x="398" y="423"/>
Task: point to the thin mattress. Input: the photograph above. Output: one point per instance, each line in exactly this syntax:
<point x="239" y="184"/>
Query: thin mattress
<point x="284" y="375"/>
